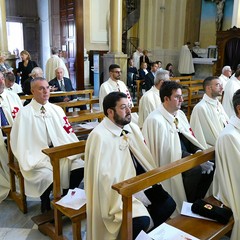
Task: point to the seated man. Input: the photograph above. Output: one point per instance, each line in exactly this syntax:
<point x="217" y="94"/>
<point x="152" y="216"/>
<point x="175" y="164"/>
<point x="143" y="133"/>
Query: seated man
<point x="226" y="178"/>
<point x="10" y="104"/>
<point x="231" y="87"/>
<point x="169" y="138"/>
<point x="10" y="83"/>
<point x="115" y="151"/>
<point x="149" y="77"/>
<point x="61" y="83"/>
<point x="151" y="99"/>
<point x="208" y="117"/>
<point x="41" y="125"/>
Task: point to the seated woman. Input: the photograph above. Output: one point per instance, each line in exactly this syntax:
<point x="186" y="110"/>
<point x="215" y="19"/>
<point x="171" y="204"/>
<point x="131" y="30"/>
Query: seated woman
<point x="169" y="68"/>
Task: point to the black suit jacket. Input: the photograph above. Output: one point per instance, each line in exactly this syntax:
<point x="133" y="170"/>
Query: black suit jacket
<point x="149" y="81"/>
<point x="68" y="88"/>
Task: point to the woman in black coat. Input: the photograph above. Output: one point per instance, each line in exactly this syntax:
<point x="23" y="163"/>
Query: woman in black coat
<point x="26" y="66"/>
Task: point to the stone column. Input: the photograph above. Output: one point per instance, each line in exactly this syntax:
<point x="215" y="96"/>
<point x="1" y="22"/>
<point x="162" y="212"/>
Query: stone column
<point x="43" y="13"/>
<point x="115" y="23"/>
<point x="115" y="54"/>
<point x="236" y="14"/>
<point x="3" y="28"/>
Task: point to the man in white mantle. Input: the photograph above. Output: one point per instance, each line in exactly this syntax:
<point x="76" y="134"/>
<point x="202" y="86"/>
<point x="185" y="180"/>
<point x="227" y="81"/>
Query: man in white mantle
<point x="227" y="178"/>
<point x="169" y="138"/>
<point x="113" y="84"/>
<point x="208" y="117"/>
<point x="10" y="105"/>
<point x="151" y="99"/>
<point x="231" y="87"/>
<point x="115" y="151"/>
<point x="41" y="125"/>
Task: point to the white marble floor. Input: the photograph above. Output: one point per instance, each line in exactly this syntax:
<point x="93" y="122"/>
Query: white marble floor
<point x="16" y="225"/>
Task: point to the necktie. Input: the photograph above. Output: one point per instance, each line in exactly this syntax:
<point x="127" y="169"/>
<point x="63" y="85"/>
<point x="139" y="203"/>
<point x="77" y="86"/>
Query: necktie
<point x="43" y="110"/>
<point x="4" y="121"/>
<point x="176" y="122"/>
<point x="62" y="86"/>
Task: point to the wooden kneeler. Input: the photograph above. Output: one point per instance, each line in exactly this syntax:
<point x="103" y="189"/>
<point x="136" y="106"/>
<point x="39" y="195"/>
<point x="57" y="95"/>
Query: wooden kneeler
<point x="55" y="229"/>
<point x="14" y="172"/>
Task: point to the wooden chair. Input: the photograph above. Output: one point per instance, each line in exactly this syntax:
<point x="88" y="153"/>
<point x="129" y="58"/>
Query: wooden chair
<point x="139" y="83"/>
<point x="55" y="230"/>
<point x="195" y="94"/>
<point x="15" y="173"/>
<point x="181" y="78"/>
<point x="197" y="227"/>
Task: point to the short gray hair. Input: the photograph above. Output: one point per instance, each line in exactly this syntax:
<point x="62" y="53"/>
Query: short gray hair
<point x="225" y="68"/>
<point x="161" y="75"/>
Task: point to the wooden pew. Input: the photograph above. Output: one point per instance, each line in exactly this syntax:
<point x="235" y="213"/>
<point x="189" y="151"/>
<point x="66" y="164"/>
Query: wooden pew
<point x="77" y="103"/>
<point x="195" y="94"/>
<point x="15" y="173"/>
<point x="181" y="78"/>
<point x="55" y="229"/>
<point x="60" y="94"/>
<point x="197" y="227"/>
<point x="139" y="83"/>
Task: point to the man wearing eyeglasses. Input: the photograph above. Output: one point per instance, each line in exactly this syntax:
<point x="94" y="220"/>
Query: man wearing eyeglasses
<point x="169" y="138"/>
<point x="10" y="104"/>
<point x="116" y="151"/>
<point x="113" y="84"/>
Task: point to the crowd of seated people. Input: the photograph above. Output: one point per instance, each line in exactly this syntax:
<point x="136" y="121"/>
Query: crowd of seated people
<point x="168" y="119"/>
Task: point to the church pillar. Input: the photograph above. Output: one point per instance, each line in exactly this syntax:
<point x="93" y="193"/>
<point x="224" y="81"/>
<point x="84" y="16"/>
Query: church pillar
<point x="236" y="14"/>
<point x="3" y="28"/>
<point x="43" y="12"/>
<point x="115" y="54"/>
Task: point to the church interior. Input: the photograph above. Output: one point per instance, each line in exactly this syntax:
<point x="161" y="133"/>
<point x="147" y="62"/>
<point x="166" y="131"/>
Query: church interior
<point x="94" y="34"/>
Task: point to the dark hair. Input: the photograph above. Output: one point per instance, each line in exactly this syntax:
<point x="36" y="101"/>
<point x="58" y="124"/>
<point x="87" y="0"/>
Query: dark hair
<point x="153" y="63"/>
<point x="54" y="50"/>
<point x="167" y="88"/>
<point x="207" y="81"/>
<point x="168" y="65"/>
<point x="112" y="66"/>
<point x="110" y="100"/>
<point x="9" y="76"/>
<point x="237" y="73"/>
<point x="236" y="100"/>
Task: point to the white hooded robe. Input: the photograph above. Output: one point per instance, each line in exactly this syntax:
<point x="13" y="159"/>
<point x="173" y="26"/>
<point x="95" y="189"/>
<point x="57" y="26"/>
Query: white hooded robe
<point x="208" y="119"/>
<point x="108" y="161"/>
<point x="226" y="179"/>
<point x="11" y="104"/>
<point x="32" y="132"/>
<point x="162" y="138"/>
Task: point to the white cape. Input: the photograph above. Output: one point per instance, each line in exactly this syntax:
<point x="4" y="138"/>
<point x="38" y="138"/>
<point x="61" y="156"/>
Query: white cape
<point x="148" y="103"/>
<point x="11" y="104"/>
<point x="162" y="138"/>
<point x="231" y="87"/>
<point x="29" y="136"/>
<point x="108" y="161"/>
<point x="208" y="119"/>
<point x="113" y="86"/>
<point x="226" y="179"/>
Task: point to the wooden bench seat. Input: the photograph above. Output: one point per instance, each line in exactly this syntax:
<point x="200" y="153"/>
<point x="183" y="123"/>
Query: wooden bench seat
<point x="55" y="229"/>
<point x="131" y="186"/>
<point x="14" y="174"/>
